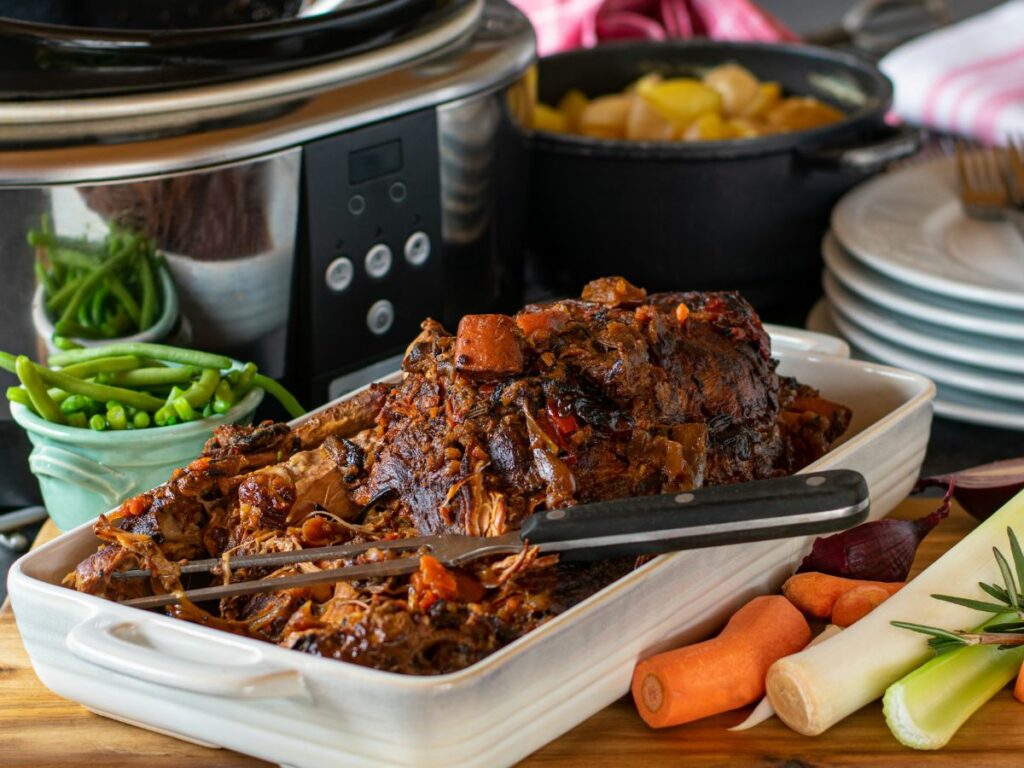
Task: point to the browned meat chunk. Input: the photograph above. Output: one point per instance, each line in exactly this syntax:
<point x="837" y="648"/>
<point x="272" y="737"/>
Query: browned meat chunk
<point x="615" y="394"/>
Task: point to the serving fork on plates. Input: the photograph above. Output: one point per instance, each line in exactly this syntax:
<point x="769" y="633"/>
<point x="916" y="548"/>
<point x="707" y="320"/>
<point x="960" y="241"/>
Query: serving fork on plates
<point x="991" y="183"/>
<point x="816" y="502"/>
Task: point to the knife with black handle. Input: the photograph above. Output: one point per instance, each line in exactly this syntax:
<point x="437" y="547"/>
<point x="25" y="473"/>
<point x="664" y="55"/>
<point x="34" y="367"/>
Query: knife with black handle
<point x="779" y="508"/>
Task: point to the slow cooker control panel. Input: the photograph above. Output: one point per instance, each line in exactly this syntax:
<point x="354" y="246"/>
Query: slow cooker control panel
<point x="373" y="231"/>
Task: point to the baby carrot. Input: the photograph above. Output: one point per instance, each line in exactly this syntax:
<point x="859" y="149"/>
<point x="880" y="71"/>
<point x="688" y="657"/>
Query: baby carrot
<point x="816" y="593"/>
<point x="858" y="603"/>
<point x="723" y="673"/>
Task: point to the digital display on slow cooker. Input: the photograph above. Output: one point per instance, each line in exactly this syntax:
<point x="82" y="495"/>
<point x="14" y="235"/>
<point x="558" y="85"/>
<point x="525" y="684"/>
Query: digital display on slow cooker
<point x="372" y="162"/>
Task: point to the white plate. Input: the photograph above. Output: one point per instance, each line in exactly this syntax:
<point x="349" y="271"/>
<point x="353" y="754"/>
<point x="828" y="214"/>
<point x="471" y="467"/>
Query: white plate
<point x="956" y="346"/>
<point x="965" y="377"/>
<point x="293" y="708"/>
<point x="950" y="402"/>
<point x="932" y="308"/>
<point x="909" y="225"/>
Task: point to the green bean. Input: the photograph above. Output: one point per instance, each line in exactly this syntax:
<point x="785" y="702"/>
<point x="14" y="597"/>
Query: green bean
<point x="78" y="419"/>
<point x="63" y="342"/>
<point x="147" y="315"/>
<point x="163" y="414"/>
<point x="8" y="362"/>
<point x="76" y="403"/>
<point x="208" y="410"/>
<point x="99" y="392"/>
<point x="97" y="422"/>
<point x="116" y="418"/>
<point x="63" y="294"/>
<point x="149" y="377"/>
<point x="20" y="396"/>
<point x="142" y="349"/>
<point x="244" y="381"/>
<point x="81" y="331"/>
<point x="44" y="239"/>
<point x="127" y="300"/>
<point x="31" y="379"/>
<point x="184" y="409"/>
<point x="90" y="368"/>
<point x="202" y="390"/>
<point x="82" y="316"/>
<point x="118" y="325"/>
<point x="49" y="288"/>
<point x="223" y="397"/>
<point x="96" y="304"/>
<point x="87" y="284"/>
<point x="282" y="395"/>
<point x="72" y="258"/>
<point x="58" y="395"/>
<point x="141" y="420"/>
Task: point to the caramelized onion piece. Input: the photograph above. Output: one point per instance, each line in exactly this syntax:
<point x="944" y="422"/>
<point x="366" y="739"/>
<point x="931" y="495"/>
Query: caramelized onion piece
<point x="614" y="291"/>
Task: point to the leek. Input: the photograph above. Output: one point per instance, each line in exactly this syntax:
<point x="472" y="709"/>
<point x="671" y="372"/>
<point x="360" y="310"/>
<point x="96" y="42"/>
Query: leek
<point x="925" y="708"/>
<point x="816" y="688"/>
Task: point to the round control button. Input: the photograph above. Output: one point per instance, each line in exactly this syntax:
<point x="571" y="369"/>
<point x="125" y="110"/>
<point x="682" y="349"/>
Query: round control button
<point x="381" y="317"/>
<point x="378" y="260"/>
<point x="339" y="273"/>
<point x="417" y="248"/>
<point x="356" y="204"/>
<point x="397" y="192"/>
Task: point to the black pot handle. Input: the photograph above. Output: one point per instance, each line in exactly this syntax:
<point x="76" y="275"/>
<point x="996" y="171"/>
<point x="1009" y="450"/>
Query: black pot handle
<point x="867" y="158"/>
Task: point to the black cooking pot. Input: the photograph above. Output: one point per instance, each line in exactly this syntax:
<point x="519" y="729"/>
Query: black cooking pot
<point x="741" y="214"/>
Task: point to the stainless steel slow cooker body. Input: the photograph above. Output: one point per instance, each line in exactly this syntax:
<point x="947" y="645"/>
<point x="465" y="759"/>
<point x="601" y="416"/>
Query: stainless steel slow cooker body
<point x="220" y="177"/>
<point x="310" y="219"/>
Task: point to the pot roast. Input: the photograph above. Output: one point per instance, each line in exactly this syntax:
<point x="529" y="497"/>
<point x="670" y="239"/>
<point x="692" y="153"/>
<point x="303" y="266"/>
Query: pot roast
<point x="614" y="394"/>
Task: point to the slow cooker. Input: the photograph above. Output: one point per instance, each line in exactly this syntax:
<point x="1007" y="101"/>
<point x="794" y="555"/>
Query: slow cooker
<point x="317" y="184"/>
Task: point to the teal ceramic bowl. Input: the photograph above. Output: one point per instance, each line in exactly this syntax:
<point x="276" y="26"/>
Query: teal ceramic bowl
<point x="82" y="473"/>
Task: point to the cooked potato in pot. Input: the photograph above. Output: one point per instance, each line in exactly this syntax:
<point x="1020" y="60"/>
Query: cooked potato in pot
<point x="727" y="103"/>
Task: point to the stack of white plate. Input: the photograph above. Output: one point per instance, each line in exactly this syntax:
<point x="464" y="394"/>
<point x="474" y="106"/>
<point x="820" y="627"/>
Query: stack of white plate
<point x="911" y="281"/>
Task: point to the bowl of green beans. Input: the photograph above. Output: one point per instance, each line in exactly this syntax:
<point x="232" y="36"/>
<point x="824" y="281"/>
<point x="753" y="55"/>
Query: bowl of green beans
<point x="110" y="422"/>
<point x="94" y="291"/>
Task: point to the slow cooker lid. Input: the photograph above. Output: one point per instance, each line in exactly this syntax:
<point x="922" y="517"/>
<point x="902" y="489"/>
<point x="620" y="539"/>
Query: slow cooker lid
<point x="66" y="49"/>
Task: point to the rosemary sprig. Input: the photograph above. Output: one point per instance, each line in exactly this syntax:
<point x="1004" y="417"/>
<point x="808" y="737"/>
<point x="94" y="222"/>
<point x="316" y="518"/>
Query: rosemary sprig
<point x="1006" y="634"/>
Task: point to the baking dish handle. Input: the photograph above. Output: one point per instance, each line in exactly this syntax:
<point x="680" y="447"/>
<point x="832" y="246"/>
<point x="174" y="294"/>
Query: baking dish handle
<point x="867" y="158"/>
<point x="127" y="647"/>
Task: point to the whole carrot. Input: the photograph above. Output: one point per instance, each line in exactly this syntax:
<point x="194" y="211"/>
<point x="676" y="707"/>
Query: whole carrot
<point x="723" y="673"/>
<point x="816" y="593"/>
<point x="858" y="603"/>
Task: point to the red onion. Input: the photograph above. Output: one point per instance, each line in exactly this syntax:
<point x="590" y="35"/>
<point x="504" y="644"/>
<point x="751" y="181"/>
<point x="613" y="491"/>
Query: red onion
<point x="982" y="490"/>
<point x="882" y="550"/>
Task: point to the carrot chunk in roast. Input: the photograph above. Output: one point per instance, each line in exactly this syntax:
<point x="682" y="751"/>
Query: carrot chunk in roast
<point x="488" y="345"/>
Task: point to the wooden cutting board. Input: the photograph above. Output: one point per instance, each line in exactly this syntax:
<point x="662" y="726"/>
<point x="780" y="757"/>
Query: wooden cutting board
<point x="38" y="728"/>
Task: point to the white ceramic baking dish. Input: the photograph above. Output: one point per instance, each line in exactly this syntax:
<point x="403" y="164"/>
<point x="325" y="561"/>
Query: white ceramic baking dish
<point x="294" y="709"/>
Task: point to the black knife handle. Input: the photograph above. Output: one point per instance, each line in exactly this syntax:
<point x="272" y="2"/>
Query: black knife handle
<point x="817" y="502"/>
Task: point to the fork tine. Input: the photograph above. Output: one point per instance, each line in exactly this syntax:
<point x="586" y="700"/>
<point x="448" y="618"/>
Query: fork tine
<point x="961" y="169"/>
<point x="1014" y="166"/>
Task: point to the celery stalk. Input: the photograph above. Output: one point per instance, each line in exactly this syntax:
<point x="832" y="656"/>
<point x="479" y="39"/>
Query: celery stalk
<point x="924" y="709"/>
<point x="814" y="689"/>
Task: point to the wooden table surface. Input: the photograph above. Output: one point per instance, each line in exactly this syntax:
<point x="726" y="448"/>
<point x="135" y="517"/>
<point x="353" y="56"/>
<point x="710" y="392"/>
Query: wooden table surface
<point x="38" y="728"/>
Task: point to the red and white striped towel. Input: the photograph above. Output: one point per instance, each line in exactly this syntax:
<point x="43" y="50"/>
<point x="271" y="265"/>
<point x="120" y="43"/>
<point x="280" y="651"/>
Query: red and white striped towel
<point x="966" y="79"/>
<point x="564" y="24"/>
